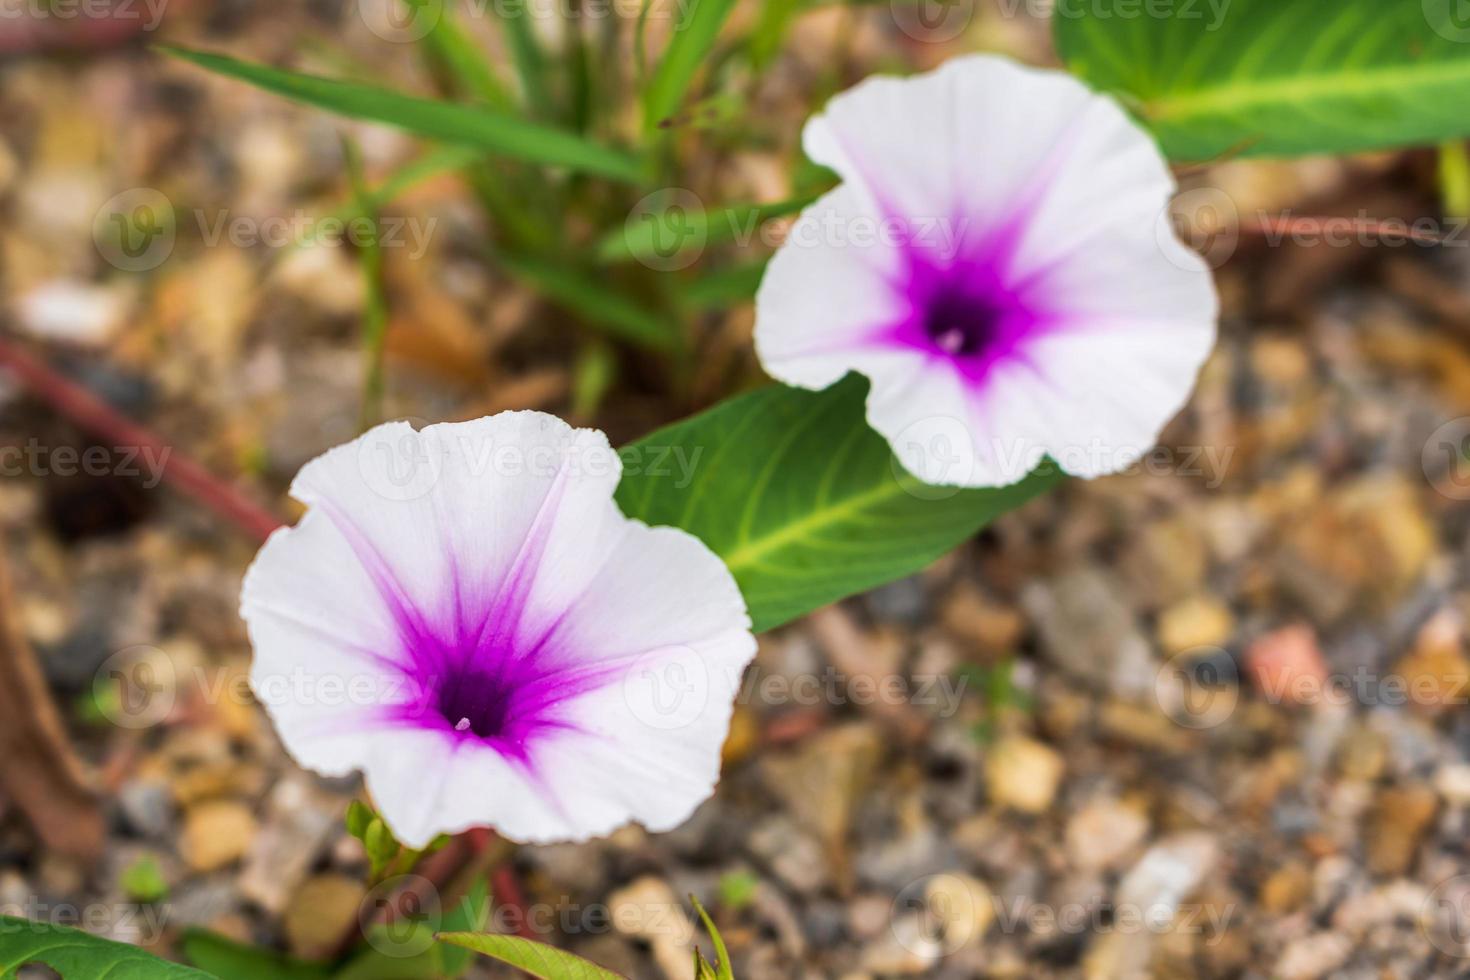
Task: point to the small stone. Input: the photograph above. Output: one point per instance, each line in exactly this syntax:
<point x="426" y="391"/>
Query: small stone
<point x="147" y="807"/>
<point x="821" y="781"/>
<point x="320" y="914"/>
<point x="791" y="854"/>
<point x="1103" y="833"/>
<point x="1396" y="824"/>
<point x="1363" y="754"/>
<point x="1287" y="667"/>
<point x="1288" y="889"/>
<point x="1023" y="774"/>
<point x="217" y="833"/>
<point x="1199" y="621"/>
<point x="75" y="312"/>
<point x="965" y="906"/>
<point x="1436" y="673"/>
<point x="907" y="949"/>
<point x="1453" y="783"/>
<point x="1312" y="957"/>
<point x="299" y="821"/>
<point x="991" y="627"/>
<point x="1087" y="627"/>
<point x="649" y="911"/>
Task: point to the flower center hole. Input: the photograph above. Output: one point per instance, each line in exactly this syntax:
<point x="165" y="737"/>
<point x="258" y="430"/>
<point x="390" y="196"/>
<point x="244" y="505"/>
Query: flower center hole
<point x="477" y="703"/>
<point x="961" y="323"/>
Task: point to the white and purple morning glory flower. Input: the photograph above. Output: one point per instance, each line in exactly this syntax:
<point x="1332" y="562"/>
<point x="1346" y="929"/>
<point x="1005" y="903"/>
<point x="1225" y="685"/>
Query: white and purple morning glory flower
<point x="466" y="616"/>
<point x="997" y="263"/>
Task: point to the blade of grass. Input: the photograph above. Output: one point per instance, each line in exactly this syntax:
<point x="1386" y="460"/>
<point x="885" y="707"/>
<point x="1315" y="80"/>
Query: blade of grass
<point x="736" y="284"/>
<point x="593" y="302"/>
<point x="454" y="50"/>
<point x="375" y="308"/>
<point x="530" y="62"/>
<point x="482" y="128"/>
<point x="693" y="38"/>
<point x="738" y="222"/>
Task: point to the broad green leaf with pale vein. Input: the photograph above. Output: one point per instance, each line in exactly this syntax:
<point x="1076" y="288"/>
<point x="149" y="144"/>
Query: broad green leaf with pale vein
<point x="537" y="959"/>
<point x="77" y="955"/>
<point x="802" y="500"/>
<point x="481" y="128"/>
<point x="1279" y="77"/>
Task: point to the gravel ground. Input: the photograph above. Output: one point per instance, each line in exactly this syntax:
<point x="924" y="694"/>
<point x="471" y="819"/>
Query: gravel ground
<point x="1203" y="719"/>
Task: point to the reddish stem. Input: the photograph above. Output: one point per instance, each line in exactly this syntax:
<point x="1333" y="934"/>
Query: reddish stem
<point x="94" y="415"/>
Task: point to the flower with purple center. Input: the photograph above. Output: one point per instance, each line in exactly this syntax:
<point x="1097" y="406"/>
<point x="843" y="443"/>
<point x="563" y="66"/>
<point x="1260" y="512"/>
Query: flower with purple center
<point x="466" y="616"/>
<point x="997" y="262"/>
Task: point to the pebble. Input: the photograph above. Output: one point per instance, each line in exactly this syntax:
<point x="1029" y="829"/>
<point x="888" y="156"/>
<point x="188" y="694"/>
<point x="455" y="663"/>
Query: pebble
<point x="1287" y="889"/>
<point x="299" y="822"/>
<point x="147" y="808"/>
<point x="1198" y="621"/>
<point x="1286" y="666"/>
<point x="1396" y="824"/>
<point x="321" y="912"/>
<point x="1087" y="628"/>
<point x="75" y="312"/>
<point x="1436" y="673"/>
<point x="1453" y="783"/>
<point x="1102" y="834"/>
<point x="971" y="616"/>
<point x="1023" y="774"/>
<point x="648" y="910"/>
<point x="792" y="855"/>
<point x="217" y="833"/>
<point x="964" y="905"/>
<point x="1312" y="957"/>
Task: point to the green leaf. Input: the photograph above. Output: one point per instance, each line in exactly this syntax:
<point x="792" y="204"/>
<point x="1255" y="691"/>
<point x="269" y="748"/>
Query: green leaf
<point x="450" y="47"/>
<point x="735" y="284"/>
<point x="664" y="233"/>
<point x="1279" y="77"/>
<point x="359" y="817"/>
<point x="472" y="914"/>
<point x="537" y="959"/>
<point x="585" y="295"/>
<point x="693" y="38"/>
<point x="722" y="972"/>
<point x="143" y="880"/>
<point x="229" y="960"/>
<point x="473" y="126"/>
<point x="803" y="501"/>
<point x="76" y="955"/>
<point x="375" y="306"/>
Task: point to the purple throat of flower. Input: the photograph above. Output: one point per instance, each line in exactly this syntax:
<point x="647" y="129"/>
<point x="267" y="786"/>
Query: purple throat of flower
<point x="491" y="671"/>
<point x="967" y="309"/>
